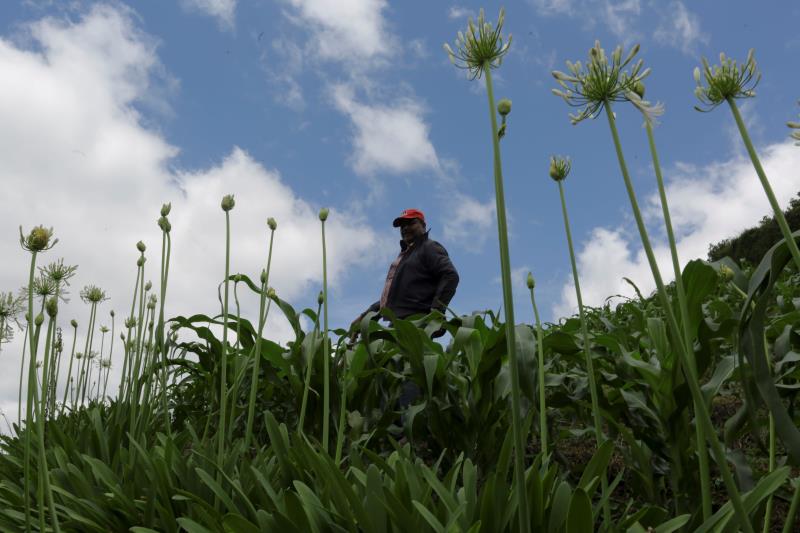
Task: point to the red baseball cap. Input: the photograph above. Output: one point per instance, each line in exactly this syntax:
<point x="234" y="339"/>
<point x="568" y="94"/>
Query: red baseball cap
<point x="409" y="214"/>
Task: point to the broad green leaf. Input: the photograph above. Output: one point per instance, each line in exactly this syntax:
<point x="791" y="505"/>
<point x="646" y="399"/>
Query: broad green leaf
<point x="579" y="519"/>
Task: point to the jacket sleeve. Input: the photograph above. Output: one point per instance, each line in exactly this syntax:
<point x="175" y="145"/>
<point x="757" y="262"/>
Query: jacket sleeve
<point x="447" y="277"/>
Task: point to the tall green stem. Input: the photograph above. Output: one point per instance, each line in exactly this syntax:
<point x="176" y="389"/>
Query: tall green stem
<point x="687" y="357"/>
<point x="542" y="398"/>
<point x="29" y="404"/>
<point x="21" y="375"/>
<point x="772" y="444"/>
<point x="587" y="350"/>
<point x="789" y="524"/>
<point x="126" y="363"/>
<point x="44" y="472"/>
<point x="161" y="348"/>
<point x="307" y="379"/>
<point x="702" y="451"/>
<point x="262" y="319"/>
<point x="69" y="369"/>
<point x="326" y="389"/>
<point x="223" y="383"/>
<point x="508" y="307"/>
<point x="773" y="202"/>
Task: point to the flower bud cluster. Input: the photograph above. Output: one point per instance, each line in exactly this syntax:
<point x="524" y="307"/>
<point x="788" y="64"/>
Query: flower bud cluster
<point x="37" y="240"/>
<point x="481" y="47"/>
<point x="600" y="81"/>
<point x="728" y="80"/>
<point x="227" y="202"/>
<point x="559" y="167"/>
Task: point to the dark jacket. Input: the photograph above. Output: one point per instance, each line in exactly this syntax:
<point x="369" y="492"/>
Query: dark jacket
<point x="425" y="279"/>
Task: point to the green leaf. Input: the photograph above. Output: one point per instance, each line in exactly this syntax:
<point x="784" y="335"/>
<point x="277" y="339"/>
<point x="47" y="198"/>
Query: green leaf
<point x="580" y="513"/>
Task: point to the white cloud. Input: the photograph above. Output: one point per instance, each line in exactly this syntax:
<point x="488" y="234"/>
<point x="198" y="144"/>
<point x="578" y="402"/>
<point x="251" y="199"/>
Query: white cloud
<point x="391" y="139"/>
<point x="74" y="154"/>
<point x="680" y="28"/>
<point x="223" y="10"/>
<point x="707" y="204"/>
<point x="620" y="17"/>
<point x="553" y="7"/>
<point x="460" y="13"/>
<point x="346" y="30"/>
<point x="469" y="221"/>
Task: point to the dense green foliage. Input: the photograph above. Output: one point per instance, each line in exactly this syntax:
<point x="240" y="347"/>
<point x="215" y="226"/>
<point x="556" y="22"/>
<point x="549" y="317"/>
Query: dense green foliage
<point x="751" y="244"/>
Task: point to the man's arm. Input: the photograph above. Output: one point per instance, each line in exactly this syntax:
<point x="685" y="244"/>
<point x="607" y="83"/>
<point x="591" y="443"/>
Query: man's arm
<point x="443" y="269"/>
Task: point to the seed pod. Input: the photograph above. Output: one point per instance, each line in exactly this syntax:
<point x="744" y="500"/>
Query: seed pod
<point x="227" y="202"/>
<point x="165" y="209"/>
<point x="323" y="214"/>
<point x="74" y="323"/>
<point x="504" y="107"/>
<point x="140" y="246"/>
<point x="52" y="307"/>
<point x="531" y="281"/>
<point x="272" y="223"/>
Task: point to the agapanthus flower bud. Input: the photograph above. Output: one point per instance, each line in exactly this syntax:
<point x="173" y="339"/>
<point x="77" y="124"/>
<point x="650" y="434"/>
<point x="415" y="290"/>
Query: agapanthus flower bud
<point x="638" y="88"/>
<point x="323" y="214"/>
<point x="271" y="293"/>
<point x="531" y="281"/>
<point x="78" y="355"/>
<point x="140" y="262"/>
<point x="130" y="322"/>
<point x="559" y="167"/>
<point x="264" y="276"/>
<point x="148" y="286"/>
<point x="320" y="298"/>
<point x="164" y="224"/>
<point x="504" y="106"/>
<point x="272" y="223"/>
<point x="726" y="272"/>
<point x="227" y="202"/>
<point x="112" y="313"/>
<point x="165" y="209"/>
<point x="103" y="329"/>
<point x="140" y="246"/>
<point x="73" y="323"/>
<point x="37" y="240"/>
<point x="52" y="307"/>
<point x="39" y="319"/>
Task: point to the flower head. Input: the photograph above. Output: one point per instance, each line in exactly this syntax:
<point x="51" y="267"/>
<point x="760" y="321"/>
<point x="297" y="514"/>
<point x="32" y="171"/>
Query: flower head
<point x="140" y="246"/>
<point x="727" y="80"/>
<point x="481" y="47"/>
<point x="74" y="323"/>
<point x="103" y="329"/>
<point x="59" y="272"/>
<point x="93" y="294"/>
<point x="726" y="272"/>
<point x="227" y="202"/>
<point x="165" y="209"/>
<point x="272" y="223"/>
<point x="38" y="240"/>
<point x="559" y="167"/>
<point x="531" y="281"/>
<point x="320" y="298"/>
<point x="148" y="286"/>
<point x="598" y="82"/>
<point x="130" y="322"/>
<point x="323" y="214"/>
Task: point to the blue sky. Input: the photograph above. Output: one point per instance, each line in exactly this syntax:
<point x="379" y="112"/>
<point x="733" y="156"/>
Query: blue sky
<point x="111" y="108"/>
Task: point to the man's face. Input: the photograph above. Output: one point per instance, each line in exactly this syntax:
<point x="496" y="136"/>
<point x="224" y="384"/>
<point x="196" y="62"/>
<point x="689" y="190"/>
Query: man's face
<point x="411" y="229"/>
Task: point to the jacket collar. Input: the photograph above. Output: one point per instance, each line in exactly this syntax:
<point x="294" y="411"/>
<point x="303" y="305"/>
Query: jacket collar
<point x="417" y="241"/>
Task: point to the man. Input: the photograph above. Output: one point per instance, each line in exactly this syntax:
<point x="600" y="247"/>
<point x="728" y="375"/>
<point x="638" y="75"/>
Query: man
<point x="422" y="277"/>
